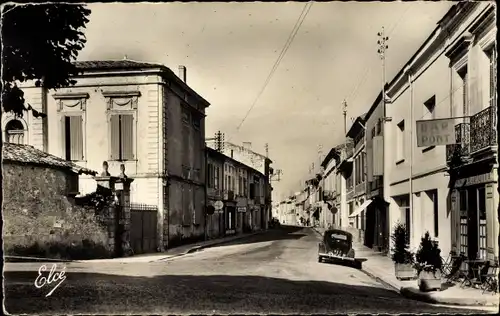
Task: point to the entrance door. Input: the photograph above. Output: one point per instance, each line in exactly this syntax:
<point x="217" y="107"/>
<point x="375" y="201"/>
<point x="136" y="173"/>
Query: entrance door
<point x="370" y="225"/>
<point x="472" y="227"/>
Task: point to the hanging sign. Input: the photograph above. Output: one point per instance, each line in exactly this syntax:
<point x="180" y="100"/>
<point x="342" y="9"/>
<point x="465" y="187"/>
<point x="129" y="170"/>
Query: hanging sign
<point x="435" y="132"/>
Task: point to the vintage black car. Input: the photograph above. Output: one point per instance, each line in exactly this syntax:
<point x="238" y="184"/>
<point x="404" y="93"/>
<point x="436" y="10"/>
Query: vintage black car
<point x="336" y="245"/>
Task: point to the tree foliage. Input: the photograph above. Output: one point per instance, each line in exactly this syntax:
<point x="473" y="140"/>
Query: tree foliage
<point x="40" y="41"/>
<point x="400" y="237"/>
<point x="428" y="255"/>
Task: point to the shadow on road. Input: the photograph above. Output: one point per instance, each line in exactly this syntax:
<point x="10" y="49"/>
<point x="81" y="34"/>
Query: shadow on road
<point x="105" y="293"/>
<point x="274" y="234"/>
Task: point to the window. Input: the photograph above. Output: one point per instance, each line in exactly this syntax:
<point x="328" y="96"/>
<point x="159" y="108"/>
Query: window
<point x="493" y="76"/>
<point x="363" y="166"/>
<point x="373" y="131"/>
<point x="379" y="126"/>
<point x="216" y="177"/>
<point x="186" y="117"/>
<point x="434" y="197"/>
<point x="465" y="95"/>
<point x="400" y="141"/>
<point x="73" y="138"/>
<point x="240" y="185"/>
<point x="245" y="188"/>
<point x="14" y="132"/>
<point x="429" y="108"/>
<point x="196" y="122"/>
<point x="122" y="137"/>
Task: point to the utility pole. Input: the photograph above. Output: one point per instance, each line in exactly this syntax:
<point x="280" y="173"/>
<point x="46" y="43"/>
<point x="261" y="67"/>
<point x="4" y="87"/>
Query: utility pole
<point x="344" y="107"/>
<point x="320" y="153"/>
<point x="382" y="48"/>
<point x="219" y="141"/>
<point x="267" y="150"/>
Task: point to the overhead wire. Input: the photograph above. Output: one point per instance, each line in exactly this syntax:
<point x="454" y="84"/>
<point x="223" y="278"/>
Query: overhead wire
<point x="291" y="37"/>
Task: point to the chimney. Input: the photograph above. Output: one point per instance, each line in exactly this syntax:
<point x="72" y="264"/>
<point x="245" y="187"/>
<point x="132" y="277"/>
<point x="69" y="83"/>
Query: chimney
<point x="182" y="73"/>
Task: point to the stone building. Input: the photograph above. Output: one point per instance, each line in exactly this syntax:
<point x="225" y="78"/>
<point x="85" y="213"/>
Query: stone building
<point x="138" y="114"/>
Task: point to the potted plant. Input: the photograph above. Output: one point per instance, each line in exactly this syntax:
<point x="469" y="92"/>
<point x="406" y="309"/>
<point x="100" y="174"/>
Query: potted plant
<point x="403" y="258"/>
<point x="428" y="264"/>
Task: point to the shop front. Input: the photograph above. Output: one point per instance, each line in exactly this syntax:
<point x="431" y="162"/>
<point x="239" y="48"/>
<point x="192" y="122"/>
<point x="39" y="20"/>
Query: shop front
<point x="474" y="199"/>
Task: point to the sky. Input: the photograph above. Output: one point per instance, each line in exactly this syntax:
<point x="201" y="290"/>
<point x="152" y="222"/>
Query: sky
<point x="229" y="50"/>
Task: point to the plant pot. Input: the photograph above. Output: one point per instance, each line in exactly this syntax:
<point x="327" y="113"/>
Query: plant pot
<point x="404" y="271"/>
<point x="429" y="281"/>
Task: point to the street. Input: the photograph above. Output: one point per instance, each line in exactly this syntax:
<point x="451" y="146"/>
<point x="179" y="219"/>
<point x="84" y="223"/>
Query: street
<point x="274" y="272"/>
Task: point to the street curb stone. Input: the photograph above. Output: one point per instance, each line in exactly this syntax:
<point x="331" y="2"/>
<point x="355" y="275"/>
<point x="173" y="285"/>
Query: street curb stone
<point x="427" y="297"/>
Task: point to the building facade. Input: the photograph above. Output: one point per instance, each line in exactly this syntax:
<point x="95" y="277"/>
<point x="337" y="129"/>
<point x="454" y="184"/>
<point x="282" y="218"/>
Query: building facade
<point x="245" y="155"/>
<point x="356" y="178"/>
<point x="330" y="215"/>
<point x="452" y="75"/>
<point x="377" y="234"/>
<point x="137" y="114"/>
<point x="241" y="190"/>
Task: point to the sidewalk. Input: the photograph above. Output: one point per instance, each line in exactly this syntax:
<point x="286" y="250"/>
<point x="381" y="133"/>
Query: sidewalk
<point x="152" y="257"/>
<point x="381" y="268"/>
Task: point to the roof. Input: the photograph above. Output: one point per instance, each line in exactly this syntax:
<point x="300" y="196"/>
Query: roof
<point x="27" y="154"/>
<point x="355" y="127"/>
<point x="452" y="13"/>
<point x="332" y="154"/>
<point x="218" y="155"/>
<point x="124" y="64"/>
<point x="127" y="64"/>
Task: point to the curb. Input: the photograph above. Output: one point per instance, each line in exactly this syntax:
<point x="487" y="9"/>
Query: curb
<point x="415" y="294"/>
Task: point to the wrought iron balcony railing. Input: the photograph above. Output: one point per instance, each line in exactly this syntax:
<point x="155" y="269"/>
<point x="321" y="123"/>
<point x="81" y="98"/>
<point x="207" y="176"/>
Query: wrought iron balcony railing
<point x="483" y="129"/>
<point x="462" y="146"/>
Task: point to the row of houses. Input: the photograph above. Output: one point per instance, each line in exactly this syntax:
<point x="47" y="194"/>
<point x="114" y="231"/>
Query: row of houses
<point x="145" y="119"/>
<point x="390" y="173"/>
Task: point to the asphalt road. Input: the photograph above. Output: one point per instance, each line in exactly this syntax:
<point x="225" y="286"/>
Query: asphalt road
<point x="275" y="272"/>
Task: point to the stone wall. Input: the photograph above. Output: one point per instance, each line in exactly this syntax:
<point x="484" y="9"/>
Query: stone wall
<point x="36" y="209"/>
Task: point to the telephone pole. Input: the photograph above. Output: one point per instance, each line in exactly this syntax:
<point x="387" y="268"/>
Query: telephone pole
<point x="382" y="49"/>
<point x="344" y="106"/>
<point x="219" y="141"/>
<point x="267" y="150"/>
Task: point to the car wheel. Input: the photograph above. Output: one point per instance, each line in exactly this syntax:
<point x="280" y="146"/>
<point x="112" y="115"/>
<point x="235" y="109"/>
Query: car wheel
<point x="320" y="260"/>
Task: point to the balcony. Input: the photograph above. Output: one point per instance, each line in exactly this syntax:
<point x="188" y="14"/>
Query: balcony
<point x="461" y="149"/>
<point x="483" y="130"/>
<point x="474" y="138"/>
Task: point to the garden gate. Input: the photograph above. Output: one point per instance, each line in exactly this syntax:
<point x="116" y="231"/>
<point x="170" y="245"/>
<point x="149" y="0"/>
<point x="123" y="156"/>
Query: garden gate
<point x="143" y="227"/>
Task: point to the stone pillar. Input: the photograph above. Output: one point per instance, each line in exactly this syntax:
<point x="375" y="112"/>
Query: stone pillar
<point x="107" y="182"/>
<point x="122" y="191"/>
<point x="118" y="213"/>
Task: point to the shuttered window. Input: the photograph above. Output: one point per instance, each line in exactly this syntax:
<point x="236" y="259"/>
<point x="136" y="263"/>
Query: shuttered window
<point x="216" y="177"/>
<point x="73" y="138"/>
<point x="493" y="76"/>
<point x="122" y="137"/>
<point x="463" y="74"/>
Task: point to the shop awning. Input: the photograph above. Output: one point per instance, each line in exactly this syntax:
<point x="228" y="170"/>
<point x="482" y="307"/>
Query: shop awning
<point x="361" y="208"/>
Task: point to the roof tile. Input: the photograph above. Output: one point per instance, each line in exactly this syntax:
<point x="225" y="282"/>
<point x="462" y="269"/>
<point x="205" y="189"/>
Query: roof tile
<point x="30" y="155"/>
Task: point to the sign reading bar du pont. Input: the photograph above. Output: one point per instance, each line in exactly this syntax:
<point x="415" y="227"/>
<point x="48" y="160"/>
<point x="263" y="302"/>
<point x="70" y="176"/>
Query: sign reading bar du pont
<point x="435" y="132"/>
